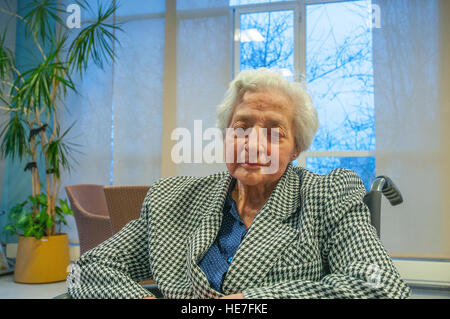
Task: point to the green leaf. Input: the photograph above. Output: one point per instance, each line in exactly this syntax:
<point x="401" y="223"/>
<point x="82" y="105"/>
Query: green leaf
<point x="14" y="138"/>
<point x="43" y="216"/>
<point x="17" y="211"/>
<point x="10" y="229"/>
<point x="40" y="17"/>
<point x="29" y="232"/>
<point x="39" y="233"/>
<point x="94" y="42"/>
<point x="58" y="210"/>
<point x="62" y="219"/>
<point x="23" y="221"/>
<point x="62" y="210"/>
<point x="35" y="86"/>
<point x="60" y="152"/>
<point x="33" y="200"/>
<point x="42" y="199"/>
<point x="6" y="58"/>
<point x="66" y="208"/>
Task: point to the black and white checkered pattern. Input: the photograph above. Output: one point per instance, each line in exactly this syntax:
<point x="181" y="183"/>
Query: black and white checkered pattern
<point x="312" y="239"/>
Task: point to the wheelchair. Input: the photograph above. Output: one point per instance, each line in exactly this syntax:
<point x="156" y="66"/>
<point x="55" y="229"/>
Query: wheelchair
<point x="382" y="185"/>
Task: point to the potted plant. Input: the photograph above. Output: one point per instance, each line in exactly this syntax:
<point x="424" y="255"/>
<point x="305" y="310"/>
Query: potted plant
<point x="40" y="258"/>
<point x="32" y="96"/>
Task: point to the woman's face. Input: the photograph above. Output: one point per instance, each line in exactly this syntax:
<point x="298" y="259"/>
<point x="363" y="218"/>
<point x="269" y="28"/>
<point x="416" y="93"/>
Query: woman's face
<point x="270" y="109"/>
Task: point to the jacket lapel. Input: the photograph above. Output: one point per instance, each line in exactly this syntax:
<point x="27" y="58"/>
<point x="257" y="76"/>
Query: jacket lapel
<point x="203" y="237"/>
<point x="268" y="235"/>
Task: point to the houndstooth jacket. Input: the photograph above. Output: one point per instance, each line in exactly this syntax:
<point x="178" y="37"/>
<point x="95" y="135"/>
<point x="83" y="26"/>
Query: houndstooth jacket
<point x="312" y="239"/>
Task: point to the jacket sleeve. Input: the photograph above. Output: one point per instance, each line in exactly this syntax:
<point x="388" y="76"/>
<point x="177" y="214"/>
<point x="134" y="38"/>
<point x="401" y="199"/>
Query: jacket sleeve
<point x="359" y="266"/>
<point x="114" y="268"/>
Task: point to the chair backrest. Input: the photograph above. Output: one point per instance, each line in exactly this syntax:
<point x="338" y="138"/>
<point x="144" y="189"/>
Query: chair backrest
<point x="90" y="197"/>
<point x="91" y="214"/>
<point x="124" y="204"/>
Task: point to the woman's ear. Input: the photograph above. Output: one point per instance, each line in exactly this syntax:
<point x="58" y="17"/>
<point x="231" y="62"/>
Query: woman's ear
<point x="296" y="153"/>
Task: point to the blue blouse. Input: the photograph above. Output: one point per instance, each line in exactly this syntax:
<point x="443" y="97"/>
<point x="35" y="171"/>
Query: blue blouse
<point x="217" y="260"/>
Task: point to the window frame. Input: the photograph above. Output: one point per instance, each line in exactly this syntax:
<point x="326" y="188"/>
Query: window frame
<point x="299" y="36"/>
<point x="299" y="8"/>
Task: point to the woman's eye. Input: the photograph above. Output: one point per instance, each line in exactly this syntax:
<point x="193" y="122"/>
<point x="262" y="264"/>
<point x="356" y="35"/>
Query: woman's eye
<point x="275" y="133"/>
<point x="240" y="127"/>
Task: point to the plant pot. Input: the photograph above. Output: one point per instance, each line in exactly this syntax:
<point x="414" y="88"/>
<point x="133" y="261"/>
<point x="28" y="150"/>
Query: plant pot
<point x="42" y="261"/>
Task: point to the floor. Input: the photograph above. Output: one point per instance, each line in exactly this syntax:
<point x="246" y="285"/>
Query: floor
<point x="11" y="290"/>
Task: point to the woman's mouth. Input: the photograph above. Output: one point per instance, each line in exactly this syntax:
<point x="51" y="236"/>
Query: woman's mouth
<point x="253" y="165"/>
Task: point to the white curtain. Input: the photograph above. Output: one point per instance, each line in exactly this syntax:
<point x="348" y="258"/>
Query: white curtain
<point x="137" y="99"/>
<point x="118" y="109"/>
<point x="203" y="69"/>
<point x="409" y="144"/>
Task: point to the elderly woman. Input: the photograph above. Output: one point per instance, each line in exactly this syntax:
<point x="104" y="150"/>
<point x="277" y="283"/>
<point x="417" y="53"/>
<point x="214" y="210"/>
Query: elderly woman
<point x="249" y="232"/>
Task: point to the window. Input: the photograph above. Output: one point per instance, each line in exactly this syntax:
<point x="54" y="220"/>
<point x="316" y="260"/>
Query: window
<point x="332" y="46"/>
<point x="267" y="36"/>
<point x="267" y="40"/>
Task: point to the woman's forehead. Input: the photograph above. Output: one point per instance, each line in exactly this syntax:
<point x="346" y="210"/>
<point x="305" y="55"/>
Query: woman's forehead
<point x="271" y="101"/>
<point x="273" y="95"/>
<point x="269" y="117"/>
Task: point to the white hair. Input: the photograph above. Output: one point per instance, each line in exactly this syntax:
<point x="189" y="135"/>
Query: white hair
<point x="305" y="115"/>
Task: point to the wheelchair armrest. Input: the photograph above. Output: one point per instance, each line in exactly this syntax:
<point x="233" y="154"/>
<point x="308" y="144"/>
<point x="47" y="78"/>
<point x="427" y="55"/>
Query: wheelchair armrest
<point x="382" y="185"/>
<point x="385" y="185"/>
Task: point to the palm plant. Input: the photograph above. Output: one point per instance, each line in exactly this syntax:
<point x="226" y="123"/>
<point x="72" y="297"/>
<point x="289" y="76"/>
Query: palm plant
<point x="32" y="96"/>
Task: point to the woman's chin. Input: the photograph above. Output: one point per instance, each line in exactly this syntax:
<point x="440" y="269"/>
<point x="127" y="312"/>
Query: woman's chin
<point x="249" y="176"/>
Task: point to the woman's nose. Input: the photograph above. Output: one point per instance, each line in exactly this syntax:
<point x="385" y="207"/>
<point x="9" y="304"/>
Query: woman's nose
<point x="256" y="143"/>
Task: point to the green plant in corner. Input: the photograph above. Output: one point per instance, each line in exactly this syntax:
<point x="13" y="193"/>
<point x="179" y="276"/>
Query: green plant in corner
<point x="33" y="94"/>
<point x="22" y="220"/>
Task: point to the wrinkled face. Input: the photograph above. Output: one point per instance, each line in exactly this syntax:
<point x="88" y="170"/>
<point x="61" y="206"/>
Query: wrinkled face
<point x="258" y="156"/>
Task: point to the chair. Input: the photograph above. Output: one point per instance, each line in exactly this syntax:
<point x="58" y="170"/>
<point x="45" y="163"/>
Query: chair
<point x="91" y="214"/>
<point x="382" y="185"/>
<point x="124" y="204"/>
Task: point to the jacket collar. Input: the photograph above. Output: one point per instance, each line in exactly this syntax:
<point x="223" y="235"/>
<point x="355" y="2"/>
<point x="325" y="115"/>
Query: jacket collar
<point x="283" y="201"/>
